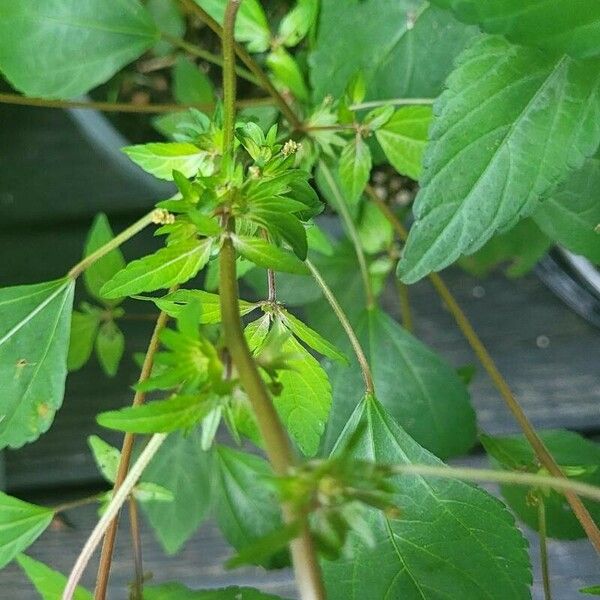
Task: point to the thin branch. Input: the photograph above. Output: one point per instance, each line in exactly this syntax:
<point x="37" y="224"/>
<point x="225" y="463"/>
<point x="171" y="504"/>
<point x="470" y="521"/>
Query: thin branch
<point x="77" y="503"/>
<point x="544" y="547"/>
<point x="136" y="545"/>
<point x="404" y="301"/>
<point x="393" y="102"/>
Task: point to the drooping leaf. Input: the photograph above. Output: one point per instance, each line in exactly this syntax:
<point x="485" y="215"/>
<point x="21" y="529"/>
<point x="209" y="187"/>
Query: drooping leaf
<point x="161" y="158"/>
<point x="297" y="23"/>
<point x="267" y="255"/>
<point x="21" y="523"/>
<point x="354" y="168"/>
<point x="551" y="24"/>
<point x="287" y="74"/>
<point x="513" y="123"/>
<point x="177" y="591"/>
<point x="171" y="265"/>
<point x="450" y="540"/>
<point x="191" y="85"/>
<point x="110" y="345"/>
<point x="106" y="457"/>
<point x="63" y="48"/>
<point x="34" y="343"/>
<point x="579" y="459"/>
<point x="403" y="139"/>
<point x="49" y="583"/>
<point x="571" y="215"/>
<point x="183" y="468"/>
<point x="84" y="327"/>
<point x="418" y="389"/>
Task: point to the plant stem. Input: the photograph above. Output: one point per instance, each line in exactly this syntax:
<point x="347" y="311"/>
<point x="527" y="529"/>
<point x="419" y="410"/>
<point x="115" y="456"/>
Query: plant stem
<point x="77" y="503"/>
<point x="136" y="544"/>
<point x="342" y="209"/>
<point x="543" y="455"/>
<point x="229" y="76"/>
<point x="544" y="548"/>
<point x="393" y="102"/>
<point x="404" y="300"/>
<point x="124" y="461"/>
<point x="343" y="319"/>
<point x="111" y="512"/>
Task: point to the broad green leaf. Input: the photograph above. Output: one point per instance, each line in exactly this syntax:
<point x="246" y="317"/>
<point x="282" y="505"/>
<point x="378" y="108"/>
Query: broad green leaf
<point x="592" y="590"/>
<point x="245" y="503"/>
<point x="573" y="28"/>
<point x="354" y="168"/>
<point x="513" y="123"/>
<point x="571" y="215"/>
<point x="297" y="23"/>
<point x="183" y="468"/>
<point x="49" y="583"/>
<point x="403" y="139"/>
<point x="177" y="591"/>
<point x="34" y="343"/>
<point x="190" y="84"/>
<point x="405" y="48"/>
<point x="106" y="457"/>
<point x="63" y="48"/>
<point x="21" y="524"/>
<point x="159" y="416"/>
<point x="305" y="401"/>
<point x="161" y="158"/>
<point x="97" y="274"/>
<point x="418" y="389"/>
<point x="287" y="74"/>
<point x="579" y="458"/>
<point x="84" y="327"/>
<point x="251" y="26"/>
<point x="169" y="20"/>
<point x="452" y="540"/>
<point x="169" y="266"/>
<point x="110" y="345"/>
<point x="266" y="255"/>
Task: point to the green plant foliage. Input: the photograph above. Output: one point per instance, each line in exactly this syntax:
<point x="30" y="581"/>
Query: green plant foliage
<point x="354" y="168"/>
<point x="514" y="122"/>
<point x="169" y="20"/>
<point x="447" y="531"/>
<point x="543" y="23"/>
<point x="84" y="328"/>
<point x="593" y="590"/>
<point x="64" y="48"/>
<point x="106" y="457"/>
<point x="34" y="342"/>
<point x="110" y="345"/>
<point x="579" y="459"/>
<point x="287" y="73"/>
<point x="297" y="23"/>
<point x="269" y="256"/>
<point x="21" y="523"/>
<point x="191" y="85"/>
<point x="176" y="591"/>
<point x="48" y="583"/>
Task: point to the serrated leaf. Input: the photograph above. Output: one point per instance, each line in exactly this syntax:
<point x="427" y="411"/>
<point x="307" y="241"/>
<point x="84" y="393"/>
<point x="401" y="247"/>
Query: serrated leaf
<point x="418" y="389"/>
<point x="62" y="49"/>
<point x="177" y="591"/>
<point x="266" y="255"/>
<point x="97" y="274"/>
<point x="49" y="583"/>
<point x="162" y="158"/>
<point x="550" y="24"/>
<point x="183" y="468"/>
<point x="403" y="139"/>
<point x="354" y="169"/>
<point x="514" y="122"/>
<point x="34" y="343"/>
<point x="21" y="523"/>
<point x="190" y="84"/>
<point x="449" y="536"/>
<point x="169" y="266"/>
<point x="84" y="327"/>
<point x="110" y="345"/>
<point x="106" y="457"/>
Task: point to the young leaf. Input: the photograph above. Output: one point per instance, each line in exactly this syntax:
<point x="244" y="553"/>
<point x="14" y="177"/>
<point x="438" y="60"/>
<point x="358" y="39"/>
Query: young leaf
<point x="287" y="73"/>
<point x="49" y="583"/>
<point x="161" y="159"/>
<point x="183" y="468"/>
<point x="21" y="524"/>
<point x="171" y="265"/>
<point x="297" y="23"/>
<point x="63" y="49"/>
<point x="110" y="345"/>
<point x="177" y="591"/>
<point x="513" y="123"/>
<point x="451" y="539"/>
<point x="106" y="457"/>
<point x="403" y="139"/>
<point x="354" y="168"/>
<point x="97" y="274"/>
<point x="84" y="327"/>
<point x="266" y="255"/>
<point x="34" y="342"/>
<point x="190" y="84"/>
<point x="420" y="391"/>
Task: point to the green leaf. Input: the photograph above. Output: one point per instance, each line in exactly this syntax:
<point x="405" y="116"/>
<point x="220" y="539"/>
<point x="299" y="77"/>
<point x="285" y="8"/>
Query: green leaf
<point x="451" y="540"/>
<point x="110" y="345"/>
<point x="573" y="453"/>
<point x="266" y="255"/>
<point x="374" y="230"/>
<point x="62" y="49"/>
<point x="190" y="84"/>
<point x="513" y="123"/>
<point x="159" y="416"/>
<point x="162" y="158"/>
<point x="354" y="168"/>
<point x="176" y="591"/>
<point x="21" y="524"/>
<point x="97" y="274"/>
<point x="251" y="26"/>
<point x="287" y="73"/>
<point x="34" y="342"/>
<point x="84" y="327"/>
<point x="593" y="590"/>
<point x="106" y="457"/>
<point x="183" y="468"/>
<point x="245" y="503"/>
<point x="421" y="392"/>
<point x="49" y="583"/>
<point x="169" y="266"/>
<point x="169" y="20"/>
<point x="571" y="215"/>
<point x="573" y="28"/>
<point x="403" y="139"/>
<point x="297" y="23"/>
